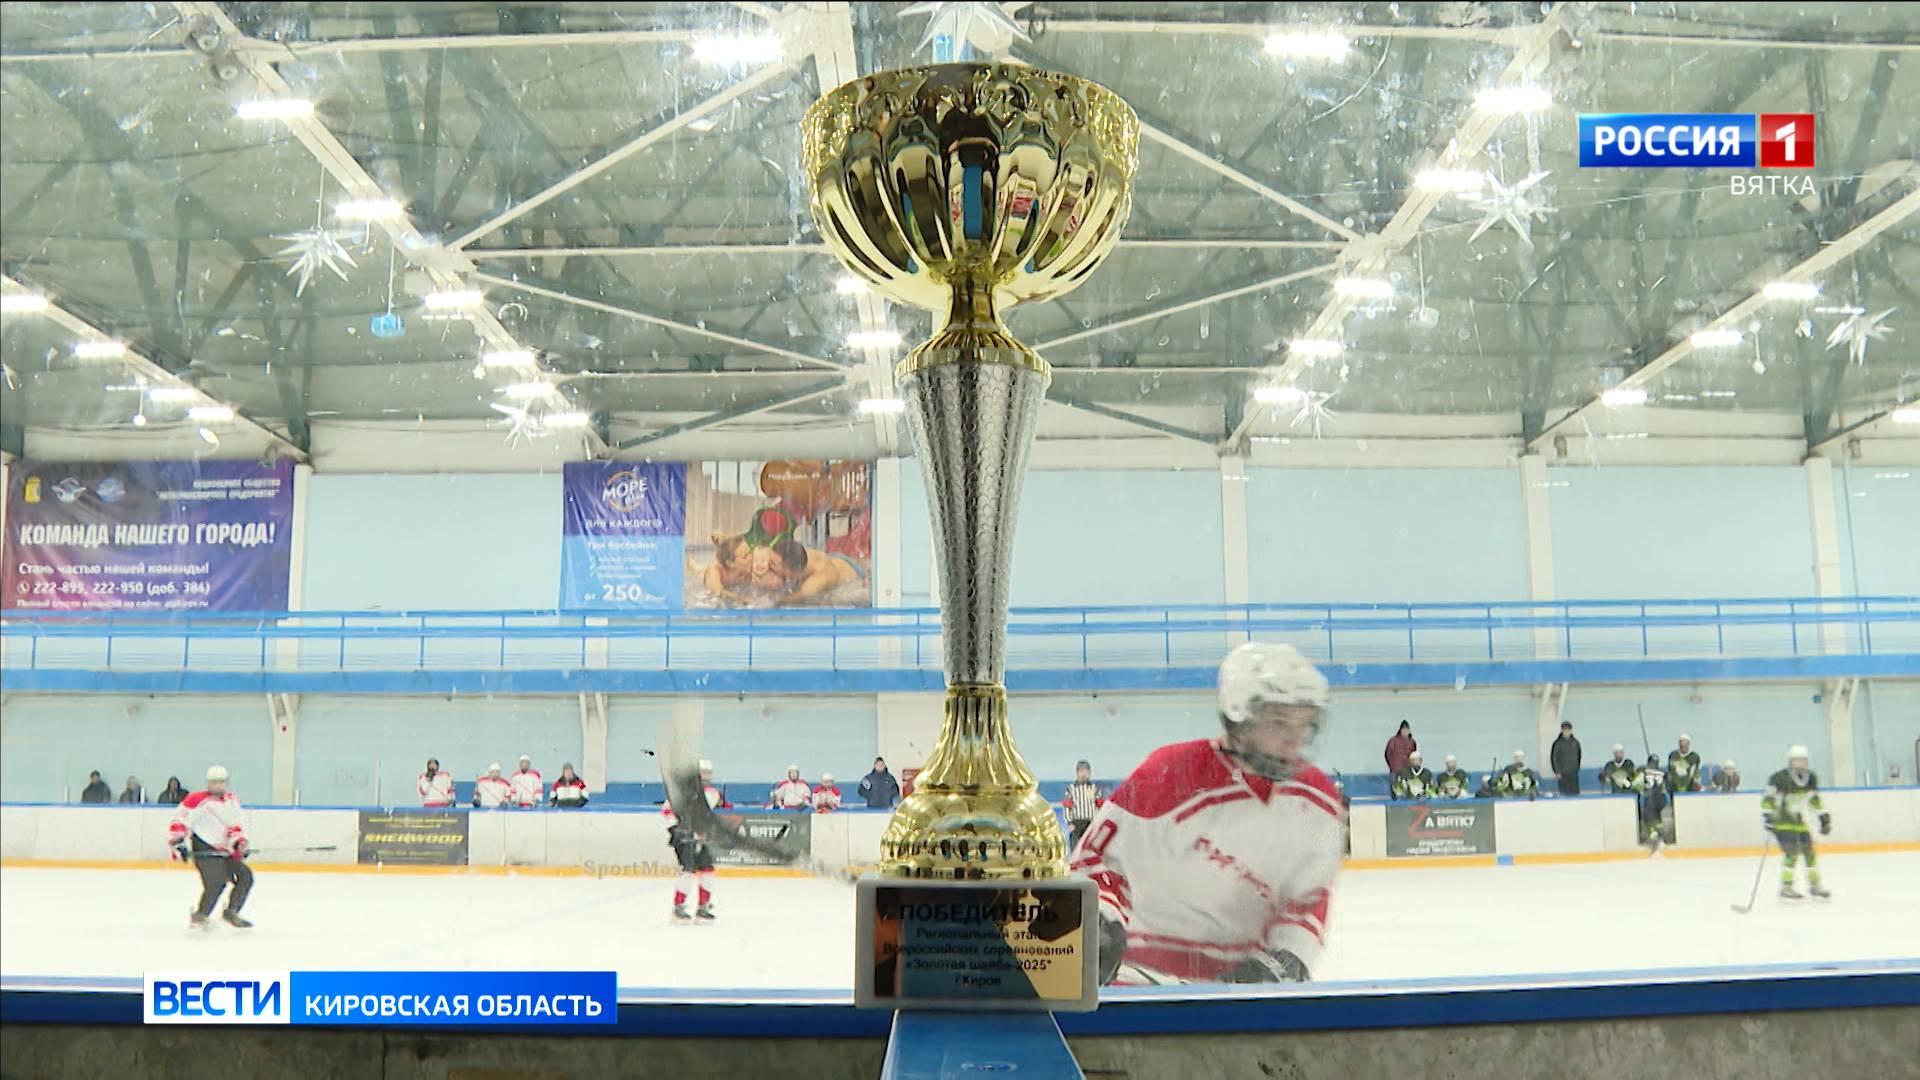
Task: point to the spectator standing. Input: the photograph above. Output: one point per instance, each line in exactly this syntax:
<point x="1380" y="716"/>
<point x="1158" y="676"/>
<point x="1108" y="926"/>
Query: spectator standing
<point x="492" y="791"/>
<point x="1516" y="781"/>
<point x="791" y="793"/>
<point x="1399" y="748"/>
<point x="1729" y="779"/>
<point x="528" y="785"/>
<point x="879" y="787"/>
<point x="96" y="790"/>
<point x="826" y="795"/>
<point x="133" y="793"/>
<point x="1683" y="767"/>
<point x="1414" y="782"/>
<point x="1082" y="802"/>
<point x="1619" y="776"/>
<point x="435" y="786"/>
<point x="569" y="791"/>
<point x="1565" y="760"/>
<point x="1453" y="782"/>
<point x="172" y="793"/>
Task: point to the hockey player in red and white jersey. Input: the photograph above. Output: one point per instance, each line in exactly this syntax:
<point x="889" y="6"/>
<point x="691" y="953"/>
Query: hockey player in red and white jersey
<point x="1214" y="859"/>
<point x="492" y="791"/>
<point x="529" y="787"/>
<point x="208" y="831"/>
<point x="691" y="851"/>
<point x="791" y="793"/>
<point x="435" y="786"/>
<point x="826" y="795"/>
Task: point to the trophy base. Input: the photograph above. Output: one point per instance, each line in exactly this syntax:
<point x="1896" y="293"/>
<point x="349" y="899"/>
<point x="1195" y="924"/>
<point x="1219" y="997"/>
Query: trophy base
<point x="970" y="945"/>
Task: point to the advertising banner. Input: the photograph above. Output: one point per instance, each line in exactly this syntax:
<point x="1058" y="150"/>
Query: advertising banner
<point x="1452" y="828"/>
<point x="413" y="837"/>
<point x="670" y="536"/>
<point x="148" y="536"/>
<point x="790" y="834"/>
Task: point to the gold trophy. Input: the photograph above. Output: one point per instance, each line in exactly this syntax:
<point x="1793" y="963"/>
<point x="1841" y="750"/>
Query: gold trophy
<point x="967" y="188"/>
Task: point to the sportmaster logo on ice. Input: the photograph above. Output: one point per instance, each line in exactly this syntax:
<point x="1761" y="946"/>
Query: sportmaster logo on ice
<point x="1696" y="140"/>
<point x="624" y="491"/>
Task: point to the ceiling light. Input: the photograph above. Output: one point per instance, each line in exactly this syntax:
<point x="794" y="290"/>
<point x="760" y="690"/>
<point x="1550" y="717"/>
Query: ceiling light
<point x="1279" y="395"/>
<point x="99" y="350"/>
<point x="1790" y="290"/>
<point x="139" y="419"/>
<point x="1512" y="99"/>
<point x="883" y="405"/>
<point x="874" y="339"/>
<point x="370" y="210"/>
<point x="848" y="285"/>
<point x="21" y="303"/>
<point x="1624" y="395"/>
<point x="1715" y="339"/>
<point x="453" y="298"/>
<point x="1719" y="393"/>
<point x="1315" y="348"/>
<point x="210" y="414"/>
<point x="174" y="395"/>
<point x="739" y="49"/>
<point x="1907" y="415"/>
<point x="1455" y="181"/>
<point x="1303" y="45"/>
<point x="573" y="419"/>
<point x="525" y="390"/>
<point x="274" y="109"/>
<point x="508" y="358"/>
<point x="702" y="124"/>
<point x="1366" y="288"/>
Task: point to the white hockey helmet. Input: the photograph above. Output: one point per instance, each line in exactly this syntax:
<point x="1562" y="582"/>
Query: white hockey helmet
<point x="216" y="772"/>
<point x="826" y="778"/>
<point x="706" y="767"/>
<point x="1619" y="748"/>
<point x="1796" y="752"/>
<point x="1519" y="757"/>
<point x="1451" y="760"/>
<point x="1260" y="673"/>
<point x="1416" y="759"/>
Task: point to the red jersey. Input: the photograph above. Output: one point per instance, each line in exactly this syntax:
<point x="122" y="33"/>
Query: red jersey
<point x="1207" y="865"/>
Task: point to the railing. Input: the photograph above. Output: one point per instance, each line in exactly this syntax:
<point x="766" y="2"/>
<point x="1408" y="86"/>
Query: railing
<point x="908" y="639"/>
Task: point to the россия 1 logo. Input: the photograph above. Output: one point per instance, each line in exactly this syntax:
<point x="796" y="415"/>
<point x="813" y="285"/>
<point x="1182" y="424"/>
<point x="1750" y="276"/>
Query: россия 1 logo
<point x="1696" y="140"/>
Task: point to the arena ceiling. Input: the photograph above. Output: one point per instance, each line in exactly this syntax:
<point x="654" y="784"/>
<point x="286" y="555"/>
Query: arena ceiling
<point x="621" y="183"/>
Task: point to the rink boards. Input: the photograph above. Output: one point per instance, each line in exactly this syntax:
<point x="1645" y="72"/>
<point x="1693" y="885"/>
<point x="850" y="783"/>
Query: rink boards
<point x="632" y="842"/>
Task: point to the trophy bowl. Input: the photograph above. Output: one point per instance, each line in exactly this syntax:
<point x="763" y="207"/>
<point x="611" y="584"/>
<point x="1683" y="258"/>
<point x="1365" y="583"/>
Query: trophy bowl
<point x="1010" y="178"/>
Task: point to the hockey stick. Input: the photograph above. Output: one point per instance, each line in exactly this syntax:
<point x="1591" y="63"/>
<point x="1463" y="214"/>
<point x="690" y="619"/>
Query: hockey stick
<point x="1644" y="741"/>
<point x="268" y="851"/>
<point x="1758" y="873"/>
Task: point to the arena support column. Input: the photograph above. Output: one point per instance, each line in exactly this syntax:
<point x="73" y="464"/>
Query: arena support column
<point x="1233" y="535"/>
<point x="1837" y="694"/>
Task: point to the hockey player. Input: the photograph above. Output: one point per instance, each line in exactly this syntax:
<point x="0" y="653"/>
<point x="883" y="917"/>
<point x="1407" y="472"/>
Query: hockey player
<point x="694" y="856"/>
<point x="492" y="791"/>
<point x="1792" y="793"/>
<point x="1213" y="860"/>
<point x="1081" y="802"/>
<point x="826" y="795"/>
<point x="1415" y="781"/>
<point x="1453" y="782"/>
<point x="435" y="786"/>
<point x="791" y="793"/>
<point x="207" y="832"/>
<point x="1652" y="785"/>
<point x="528" y="785"/>
<point x="1516" y="781"/>
<point x="1619" y="775"/>
<point x="1683" y="767"/>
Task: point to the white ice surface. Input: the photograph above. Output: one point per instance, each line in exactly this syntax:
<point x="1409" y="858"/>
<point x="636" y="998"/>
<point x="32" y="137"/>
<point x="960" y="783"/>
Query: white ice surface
<point x="797" y="933"/>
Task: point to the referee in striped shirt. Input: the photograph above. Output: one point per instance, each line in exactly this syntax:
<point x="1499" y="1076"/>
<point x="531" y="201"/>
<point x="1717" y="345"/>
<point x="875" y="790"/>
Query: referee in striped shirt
<point x="1082" y="802"/>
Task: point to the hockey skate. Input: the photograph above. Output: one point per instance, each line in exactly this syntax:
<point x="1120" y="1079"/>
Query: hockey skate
<point x="680" y="913"/>
<point x="1788" y="892"/>
<point x="1818" y="891"/>
<point x="197" y="921"/>
<point x="704" y="913"/>
<point x="234" y="920"/>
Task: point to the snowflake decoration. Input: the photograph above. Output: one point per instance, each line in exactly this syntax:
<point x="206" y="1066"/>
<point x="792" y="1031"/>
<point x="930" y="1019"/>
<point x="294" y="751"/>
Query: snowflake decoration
<point x="1513" y="205"/>
<point x="1857" y="331"/>
<point x="317" y="249"/>
<point x="952" y="26"/>
<point x="1313" y="411"/>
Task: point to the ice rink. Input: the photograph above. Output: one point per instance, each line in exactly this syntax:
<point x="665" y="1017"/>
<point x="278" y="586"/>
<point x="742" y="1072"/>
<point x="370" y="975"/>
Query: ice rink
<point x="796" y="933"/>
